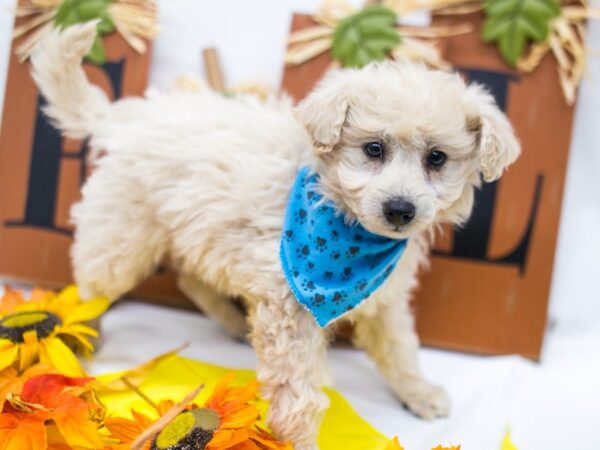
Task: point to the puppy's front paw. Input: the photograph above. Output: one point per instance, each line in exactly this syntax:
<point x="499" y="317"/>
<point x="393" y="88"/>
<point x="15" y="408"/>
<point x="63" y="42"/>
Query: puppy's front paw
<point x="424" y="400"/>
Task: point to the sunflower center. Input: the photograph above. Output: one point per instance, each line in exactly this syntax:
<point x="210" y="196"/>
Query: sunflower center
<point x="190" y="430"/>
<point x="14" y="326"/>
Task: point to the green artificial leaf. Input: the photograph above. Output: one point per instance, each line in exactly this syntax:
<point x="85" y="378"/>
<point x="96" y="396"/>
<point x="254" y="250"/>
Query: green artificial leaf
<point x="513" y="23"/>
<point x="97" y="54"/>
<point x="71" y="12"/>
<point x="369" y="35"/>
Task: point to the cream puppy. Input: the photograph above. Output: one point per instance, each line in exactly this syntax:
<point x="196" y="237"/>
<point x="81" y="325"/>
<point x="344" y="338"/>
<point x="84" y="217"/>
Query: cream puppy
<point x="204" y="180"/>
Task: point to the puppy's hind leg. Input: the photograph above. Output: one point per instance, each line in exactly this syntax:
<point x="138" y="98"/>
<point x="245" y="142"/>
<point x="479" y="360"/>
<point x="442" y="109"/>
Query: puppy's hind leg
<point x="214" y="305"/>
<point x="118" y="242"/>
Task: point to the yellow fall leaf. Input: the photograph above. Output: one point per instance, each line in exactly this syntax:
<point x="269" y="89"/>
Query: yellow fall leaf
<point x="507" y="443"/>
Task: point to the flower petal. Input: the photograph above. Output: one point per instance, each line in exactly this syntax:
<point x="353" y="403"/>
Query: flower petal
<point x="79" y="328"/>
<point x="73" y="423"/>
<point x="240" y="418"/>
<point x="223" y="439"/>
<point x="29" y="350"/>
<point x="10" y="301"/>
<point x="54" y="352"/>
<point x="125" y="430"/>
<point x="8" y="353"/>
<point x="68" y="297"/>
<point x="87" y="347"/>
<point x="87" y="311"/>
<point x="28" y="433"/>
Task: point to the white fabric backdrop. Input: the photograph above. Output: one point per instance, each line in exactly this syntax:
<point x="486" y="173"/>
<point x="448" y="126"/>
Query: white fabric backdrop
<point x="552" y="405"/>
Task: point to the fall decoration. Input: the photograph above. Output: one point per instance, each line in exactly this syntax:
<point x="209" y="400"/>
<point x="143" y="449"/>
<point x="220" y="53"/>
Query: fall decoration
<point x="555" y="26"/>
<point x="51" y="411"/>
<point x="226" y="421"/>
<point x="216" y="82"/>
<point x="135" y="20"/>
<point x="565" y="40"/>
<point x="356" y="38"/>
<point x="43" y="409"/>
<point x="36" y="329"/>
<point x="512" y="23"/>
<point x="368" y="35"/>
<point x="507" y="443"/>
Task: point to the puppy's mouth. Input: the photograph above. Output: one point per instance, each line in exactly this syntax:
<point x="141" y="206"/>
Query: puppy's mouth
<point x="400" y="231"/>
<point x="382" y="228"/>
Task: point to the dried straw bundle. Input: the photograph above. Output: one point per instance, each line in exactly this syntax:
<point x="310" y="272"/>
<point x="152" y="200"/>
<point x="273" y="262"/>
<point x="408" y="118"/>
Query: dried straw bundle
<point x="135" y="20"/>
<point x="418" y="43"/>
<point x="566" y="42"/>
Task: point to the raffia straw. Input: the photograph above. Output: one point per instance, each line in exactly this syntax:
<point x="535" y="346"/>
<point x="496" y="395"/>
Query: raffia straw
<point x="46" y="3"/>
<point x="133" y="19"/>
<point x="421" y="51"/>
<point x="135" y="42"/>
<point x="35" y="22"/>
<point x="24" y="50"/>
<point x="306" y="52"/>
<point x="536" y="53"/>
<point x="258" y="90"/>
<point x="434" y="32"/>
<point x="164" y="420"/>
<point x="308" y="34"/>
<point x="332" y="11"/>
<point x="460" y="9"/>
<point x="566" y="43"/>
<point x="306" y="44"/>
<point x="407" y="6"/>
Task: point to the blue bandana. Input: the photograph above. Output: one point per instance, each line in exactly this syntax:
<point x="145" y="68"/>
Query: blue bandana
<point x="331" y="267"/>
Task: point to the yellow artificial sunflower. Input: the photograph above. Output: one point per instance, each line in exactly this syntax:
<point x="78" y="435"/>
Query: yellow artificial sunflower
<point x="36" y="329"/>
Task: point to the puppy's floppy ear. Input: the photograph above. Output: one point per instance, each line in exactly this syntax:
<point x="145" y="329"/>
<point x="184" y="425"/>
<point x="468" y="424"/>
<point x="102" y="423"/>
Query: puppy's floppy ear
<point x="323" y="112"/>
<point x="498" y="145"/>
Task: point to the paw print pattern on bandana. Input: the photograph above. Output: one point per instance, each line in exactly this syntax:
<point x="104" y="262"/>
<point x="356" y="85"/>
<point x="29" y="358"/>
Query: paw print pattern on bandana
<point x="303" y="251"/>
<point x="308" y="285"/>
<point x="361" y="285"/>
<point x="339" y="296"/>
<point x="352" y="251"/>
<point x="346" y="273"/>
<point x="321" y="244"/>
<point x="301" y="216"/>
<point x="330" y="266"/>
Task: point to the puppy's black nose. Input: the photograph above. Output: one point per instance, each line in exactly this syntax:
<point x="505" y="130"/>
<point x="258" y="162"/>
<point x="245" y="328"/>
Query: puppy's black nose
<point x="398" y="211"/>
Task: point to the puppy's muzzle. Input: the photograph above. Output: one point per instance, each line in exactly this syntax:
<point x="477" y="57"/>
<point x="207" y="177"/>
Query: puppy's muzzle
<point x="399" y="211"/>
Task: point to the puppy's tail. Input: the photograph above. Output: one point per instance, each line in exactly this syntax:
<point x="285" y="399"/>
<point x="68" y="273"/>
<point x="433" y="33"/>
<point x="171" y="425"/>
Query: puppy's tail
<point x="74" y="104"/>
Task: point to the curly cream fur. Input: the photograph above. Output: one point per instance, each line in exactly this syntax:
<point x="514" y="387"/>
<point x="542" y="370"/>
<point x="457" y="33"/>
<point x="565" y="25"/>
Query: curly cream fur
<point x="203" y="179"/>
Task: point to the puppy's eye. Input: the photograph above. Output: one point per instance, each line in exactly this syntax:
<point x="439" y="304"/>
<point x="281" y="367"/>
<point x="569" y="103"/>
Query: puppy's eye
<point x="436" y="159"/>
<point x="373" y="150"/>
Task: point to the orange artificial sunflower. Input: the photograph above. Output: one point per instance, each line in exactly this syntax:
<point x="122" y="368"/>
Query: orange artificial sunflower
<point x="226" y="421"/>
<point x="36" y="329"/>
<point x="126" y="431"/>
<point x="50" y="411"/>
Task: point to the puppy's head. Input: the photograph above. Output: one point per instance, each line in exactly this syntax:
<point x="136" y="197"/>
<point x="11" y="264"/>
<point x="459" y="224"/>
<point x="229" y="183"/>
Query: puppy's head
<point x="400" y="147"/>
